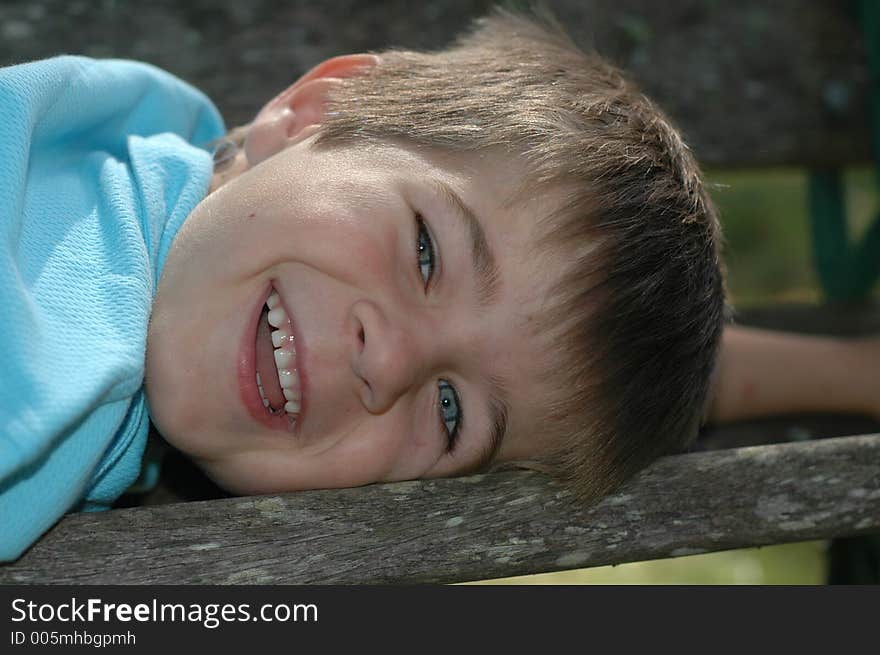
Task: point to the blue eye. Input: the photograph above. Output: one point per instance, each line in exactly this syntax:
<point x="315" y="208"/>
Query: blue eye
<point x="450" y="413"/>
<point x="449" y="406"/>
<point x="424" y="250"/>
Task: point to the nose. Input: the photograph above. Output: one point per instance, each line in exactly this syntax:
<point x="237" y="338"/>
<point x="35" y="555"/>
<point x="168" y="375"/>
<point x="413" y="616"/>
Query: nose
<point x="388" y="353"/>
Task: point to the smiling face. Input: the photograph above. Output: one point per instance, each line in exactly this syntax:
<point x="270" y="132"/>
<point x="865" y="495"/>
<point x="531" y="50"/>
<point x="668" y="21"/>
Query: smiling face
<point x="403" y="286"/>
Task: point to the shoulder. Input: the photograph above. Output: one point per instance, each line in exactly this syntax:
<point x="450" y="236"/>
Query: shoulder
<point x="76" y="70"/>
<point x="58" y="96"/>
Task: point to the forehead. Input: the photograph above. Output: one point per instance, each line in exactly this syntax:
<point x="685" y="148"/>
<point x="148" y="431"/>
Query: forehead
<point x="496" y="179"/>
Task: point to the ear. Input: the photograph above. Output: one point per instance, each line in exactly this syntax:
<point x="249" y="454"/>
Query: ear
<point x="296" y="112"/>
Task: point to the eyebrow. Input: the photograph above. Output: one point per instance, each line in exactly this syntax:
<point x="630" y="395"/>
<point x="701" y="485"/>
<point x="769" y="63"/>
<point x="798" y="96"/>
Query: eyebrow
<point x="485" y="267"/>
<point x="488" y="279"/>
<point x="498" y="429"/>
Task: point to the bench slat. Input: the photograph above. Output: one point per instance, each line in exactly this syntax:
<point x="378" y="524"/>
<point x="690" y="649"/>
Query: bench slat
<point x="752" y="83"/>
<point x="474" y="528"/>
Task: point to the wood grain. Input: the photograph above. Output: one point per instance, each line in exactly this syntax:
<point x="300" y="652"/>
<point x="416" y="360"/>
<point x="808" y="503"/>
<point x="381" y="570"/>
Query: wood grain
<point x="473" y="528"/>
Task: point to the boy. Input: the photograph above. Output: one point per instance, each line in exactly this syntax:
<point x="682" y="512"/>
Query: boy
<point x="417" y="265"/>
<point x="427" y="264"/>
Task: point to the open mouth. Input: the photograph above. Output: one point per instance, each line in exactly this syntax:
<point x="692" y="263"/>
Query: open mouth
<point x="269" y="369"/>
<point x="277" y="376"/>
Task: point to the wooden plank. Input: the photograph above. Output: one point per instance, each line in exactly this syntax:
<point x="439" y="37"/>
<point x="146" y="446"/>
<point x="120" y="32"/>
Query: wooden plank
<point x="473" y="528"/>
<point x="751" y="82"/>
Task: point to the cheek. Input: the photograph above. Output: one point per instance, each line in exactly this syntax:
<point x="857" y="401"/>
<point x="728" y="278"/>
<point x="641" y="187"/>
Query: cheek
<point x="418" y="451"/>
<point x="376" y="450"/>
<point x="357" y="251"/>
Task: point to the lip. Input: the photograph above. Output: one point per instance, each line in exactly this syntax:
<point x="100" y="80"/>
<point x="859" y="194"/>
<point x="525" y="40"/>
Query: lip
<point x="247" y="370"/>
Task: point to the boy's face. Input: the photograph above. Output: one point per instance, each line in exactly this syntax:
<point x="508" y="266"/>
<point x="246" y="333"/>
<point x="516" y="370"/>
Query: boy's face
<point x="393" y="350"/>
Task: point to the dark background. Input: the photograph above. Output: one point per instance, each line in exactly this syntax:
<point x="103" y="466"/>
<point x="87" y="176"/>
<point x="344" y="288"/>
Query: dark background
<point x="749" y="81"/>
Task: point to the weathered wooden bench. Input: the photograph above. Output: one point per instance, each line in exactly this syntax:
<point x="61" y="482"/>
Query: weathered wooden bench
<point x="751" y="84"/>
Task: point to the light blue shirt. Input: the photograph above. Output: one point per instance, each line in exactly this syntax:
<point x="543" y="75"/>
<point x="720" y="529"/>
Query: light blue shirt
<point x="99" y="168"/>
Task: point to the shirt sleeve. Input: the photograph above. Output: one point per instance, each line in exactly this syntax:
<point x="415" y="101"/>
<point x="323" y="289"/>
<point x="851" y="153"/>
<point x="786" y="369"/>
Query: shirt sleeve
<point x="76" y="273"/>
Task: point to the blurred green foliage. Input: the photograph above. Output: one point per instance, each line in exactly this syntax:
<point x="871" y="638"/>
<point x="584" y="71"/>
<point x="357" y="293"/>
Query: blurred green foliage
<point x="764" y="215"/>
<point x="788" y="564"/>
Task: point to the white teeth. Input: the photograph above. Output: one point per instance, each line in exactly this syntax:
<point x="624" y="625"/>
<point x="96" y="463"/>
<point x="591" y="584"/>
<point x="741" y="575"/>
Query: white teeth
<point x="262" y="393"/>
<point x="288" y="379"/>
<point x="278" y="337"/>
<point x="277" y="317"/>
<point x="283" y="358"/>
